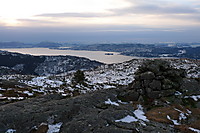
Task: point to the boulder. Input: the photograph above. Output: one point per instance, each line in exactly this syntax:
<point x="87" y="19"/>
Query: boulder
<point x="148" y="90"/>
<point x="146" y="83"/>
<point x="137" y="85"/>
<point x="155" y="66"/>
<point x="156" y="78"/>
<point x="130" y="95"/>
<point x="147" y="75"/>
<point x="160" y="77"/>
<point x="166" y="93"/>
<point x="190" y="86"/>
<point x="155" y="85"/>
<point x="167" y="84"/>
<point x="154" y="94"/>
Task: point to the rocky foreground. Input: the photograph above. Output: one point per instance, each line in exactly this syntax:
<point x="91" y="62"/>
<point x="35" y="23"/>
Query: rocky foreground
<point x="161" y="99"/>
<point x="91" y="113"/>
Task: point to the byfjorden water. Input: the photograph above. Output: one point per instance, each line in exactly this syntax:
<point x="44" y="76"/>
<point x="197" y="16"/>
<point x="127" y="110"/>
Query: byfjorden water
<point x="92" y="55"/>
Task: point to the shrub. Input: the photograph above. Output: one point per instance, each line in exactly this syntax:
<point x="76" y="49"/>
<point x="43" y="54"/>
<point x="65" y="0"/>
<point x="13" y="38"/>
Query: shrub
<point x="79" y="77"/>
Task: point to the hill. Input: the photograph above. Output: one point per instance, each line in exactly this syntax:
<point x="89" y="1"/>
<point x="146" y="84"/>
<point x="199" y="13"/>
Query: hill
<point x="141" y="95"/>
<point x="44" y="65"/>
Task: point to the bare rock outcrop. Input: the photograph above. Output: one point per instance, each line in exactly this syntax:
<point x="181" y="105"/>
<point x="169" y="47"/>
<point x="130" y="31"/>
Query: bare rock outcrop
<point x="154" y="79"/>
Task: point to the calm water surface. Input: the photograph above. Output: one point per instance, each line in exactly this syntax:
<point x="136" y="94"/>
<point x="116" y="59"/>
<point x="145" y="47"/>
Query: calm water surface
<point x="93" y="55"/>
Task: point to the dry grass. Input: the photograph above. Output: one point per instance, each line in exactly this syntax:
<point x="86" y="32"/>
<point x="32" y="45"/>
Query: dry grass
<point x="160" y="114"/>
<point x="183" y="128"/>
<point x="10" y="93"/>
<point x="196" y="115"/>
<point x="195" y="124"/>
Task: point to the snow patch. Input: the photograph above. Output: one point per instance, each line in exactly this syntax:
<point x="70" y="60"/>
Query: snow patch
<point x="119" y="101"/>
<point x="3" y="98"/>
<point x="54" y="128"/>
<point x="174" y="121"/>
<point x="195" y="130"/>
<point x="39" y="90"/>
<point x="109" y="86"/>
<point x="139" y="113"/>
<point x="139" y="116"/>
<point x="15" y="98"/>
<point x="111" y="103"/>
<point x="190" y="112"/>
<point x="1" y="89"/>
<point x="28" y="93"/>
<point x="44" y="82"/>
<point x="177" y="93"/>
<point x="64" y="95"/>
<point x="10" y="131"/>
<point x="195" y="98"/>
<point x="182" y="115"/>
<point x="127" y="119"/>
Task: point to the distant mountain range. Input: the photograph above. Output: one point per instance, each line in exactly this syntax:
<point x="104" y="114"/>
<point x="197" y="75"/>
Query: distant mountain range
<point x="190" y="50"/>
<point x="179" y="50"/>
<point x="28" y="45"/>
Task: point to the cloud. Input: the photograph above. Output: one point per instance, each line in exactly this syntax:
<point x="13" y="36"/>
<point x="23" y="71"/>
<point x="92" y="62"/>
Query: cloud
<point x="152" y="13"/>
<point x="193" y="18"/>
<point x="156" y="7"/>
<point x="139" y="12"/>
<point x="100" y="34"/>
<point x="138" y="7"/>
<point x="36" y="22"/>
<point x="142" y="19"/>
<point x="161" y="13"/>
<point x="84" y="15"/>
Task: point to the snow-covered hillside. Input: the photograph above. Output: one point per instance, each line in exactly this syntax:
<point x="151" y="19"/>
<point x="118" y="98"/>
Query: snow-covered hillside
<point x="175" y="110"/>
<point x="123" y="73"/>
<point x="115" y="74"/>
<point x="103" y="77"/>
<point x="15" y="63"/>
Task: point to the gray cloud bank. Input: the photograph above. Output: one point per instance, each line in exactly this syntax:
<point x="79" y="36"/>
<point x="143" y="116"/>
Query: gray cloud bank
<point x="87" y="15"/>
<point x="110" y="33"/>
<point x="103" y="34"/>
<point x="150" y="7"/>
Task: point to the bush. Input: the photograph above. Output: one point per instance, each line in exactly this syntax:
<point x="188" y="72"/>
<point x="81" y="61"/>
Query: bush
<point x="79" y="77"/>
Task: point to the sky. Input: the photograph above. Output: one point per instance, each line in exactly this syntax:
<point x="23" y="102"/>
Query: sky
<point x="98" y="21"/>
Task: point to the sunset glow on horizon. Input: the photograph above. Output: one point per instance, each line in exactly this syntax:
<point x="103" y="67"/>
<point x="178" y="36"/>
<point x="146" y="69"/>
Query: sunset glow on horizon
<point x="101" y="15"/>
